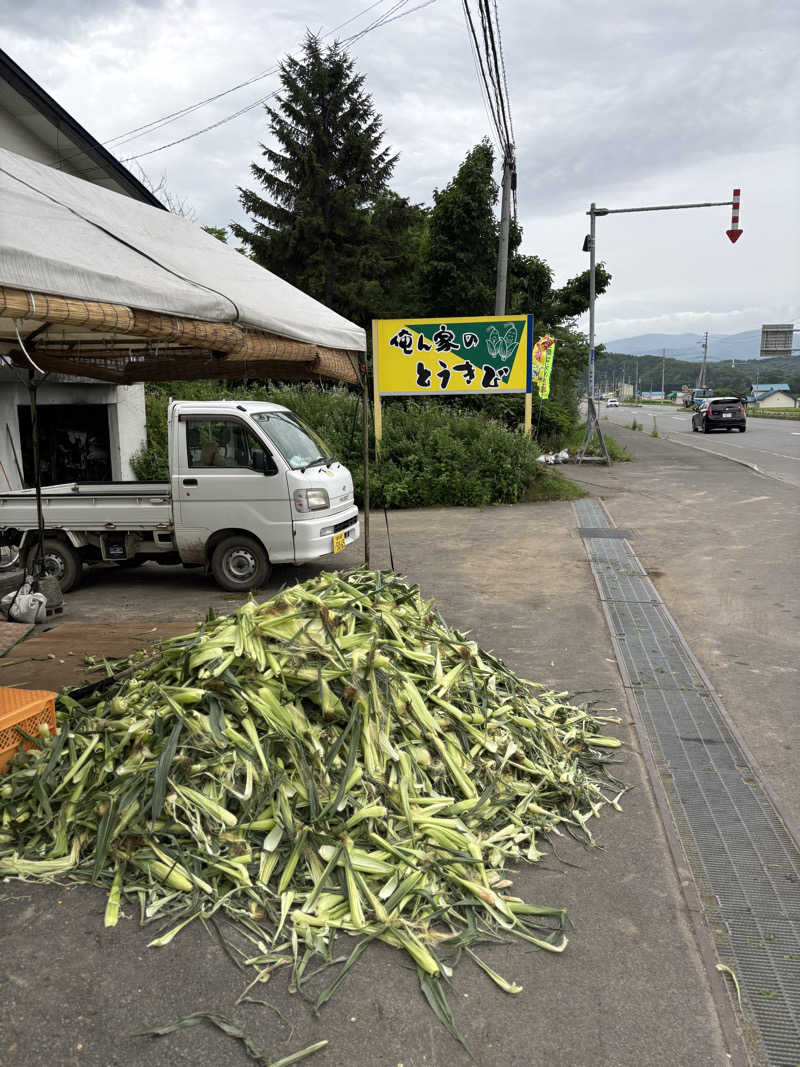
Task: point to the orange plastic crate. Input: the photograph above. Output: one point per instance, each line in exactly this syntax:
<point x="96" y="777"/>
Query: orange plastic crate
<point x="26" y="708"/>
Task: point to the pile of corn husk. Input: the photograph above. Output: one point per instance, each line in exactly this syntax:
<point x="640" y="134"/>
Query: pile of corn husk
<point x="337" y="759"/>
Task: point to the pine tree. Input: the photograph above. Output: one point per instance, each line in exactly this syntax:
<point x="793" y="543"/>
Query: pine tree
<point x="320" y="182"/>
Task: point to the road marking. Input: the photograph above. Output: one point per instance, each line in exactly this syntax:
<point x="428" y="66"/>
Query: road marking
<point x="677" y="418"/>
<point x="753" y="499"/>
<point x="765" y="451"/>
<point x="795" y="433"/>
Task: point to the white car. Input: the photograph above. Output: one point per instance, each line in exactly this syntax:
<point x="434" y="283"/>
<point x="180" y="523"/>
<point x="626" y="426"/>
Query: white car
<point x="612" y="402"/>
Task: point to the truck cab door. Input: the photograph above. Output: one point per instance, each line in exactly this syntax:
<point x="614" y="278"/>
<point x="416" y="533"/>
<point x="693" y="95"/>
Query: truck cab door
<point x="216" y="487"/>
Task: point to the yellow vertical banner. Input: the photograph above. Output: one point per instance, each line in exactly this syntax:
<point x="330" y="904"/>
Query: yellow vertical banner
<point x="542" y="364"/>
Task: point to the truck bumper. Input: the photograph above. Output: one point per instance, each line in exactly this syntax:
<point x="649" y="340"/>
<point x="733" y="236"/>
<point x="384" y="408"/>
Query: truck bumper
<point x="314" y="537"/>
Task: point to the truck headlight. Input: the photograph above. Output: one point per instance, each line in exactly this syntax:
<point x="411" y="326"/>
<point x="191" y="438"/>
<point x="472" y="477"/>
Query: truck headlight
<point x="311" y="499"/>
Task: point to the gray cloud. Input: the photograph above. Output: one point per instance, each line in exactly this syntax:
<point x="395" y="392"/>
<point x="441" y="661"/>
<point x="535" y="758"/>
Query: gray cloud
<point x="628" y="102"/>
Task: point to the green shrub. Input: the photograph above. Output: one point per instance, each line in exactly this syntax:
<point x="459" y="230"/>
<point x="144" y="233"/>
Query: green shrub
<point x="432" y="454"/>
<point x="431" y="457"/>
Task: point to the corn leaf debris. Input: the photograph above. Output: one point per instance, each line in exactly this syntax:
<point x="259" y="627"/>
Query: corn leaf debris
<point x="337" y="760"/>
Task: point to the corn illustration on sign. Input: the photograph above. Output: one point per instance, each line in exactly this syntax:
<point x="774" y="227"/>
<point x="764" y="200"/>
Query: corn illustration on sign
<point x="446" y="356"/>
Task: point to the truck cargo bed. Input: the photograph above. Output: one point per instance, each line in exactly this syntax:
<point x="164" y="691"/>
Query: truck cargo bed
<point x="91" y="506"/>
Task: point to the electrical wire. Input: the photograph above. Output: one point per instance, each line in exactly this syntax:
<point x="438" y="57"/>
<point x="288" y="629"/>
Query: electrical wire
<point x="484" y="81"/>
<point x="389" y="16"/>
<point x="491" y="66"/>
<point x="24" y="349"/>
<point x="503" y="68"/>
<point x="474" y="52"/>
<point x="137" y="131"/>
<point x="392" y="14"/>
<point x="491" y="47"/>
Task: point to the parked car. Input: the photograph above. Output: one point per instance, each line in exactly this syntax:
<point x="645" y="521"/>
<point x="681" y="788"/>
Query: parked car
<point x="720" y="413"/>
<point x="612" y="402"/>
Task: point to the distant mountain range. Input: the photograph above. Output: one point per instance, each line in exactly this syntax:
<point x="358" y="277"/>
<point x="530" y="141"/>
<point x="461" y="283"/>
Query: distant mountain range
<point x="721" y="346"/>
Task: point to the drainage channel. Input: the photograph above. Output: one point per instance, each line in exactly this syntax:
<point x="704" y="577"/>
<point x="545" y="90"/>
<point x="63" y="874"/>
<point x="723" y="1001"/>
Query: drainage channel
<point x="745" y="863"/>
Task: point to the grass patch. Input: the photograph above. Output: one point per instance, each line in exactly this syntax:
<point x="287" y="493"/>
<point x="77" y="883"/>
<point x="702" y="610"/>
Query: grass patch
<point x="784" y="413"/>
<point x="552" y="485"/>
<point x="617" y="453"/>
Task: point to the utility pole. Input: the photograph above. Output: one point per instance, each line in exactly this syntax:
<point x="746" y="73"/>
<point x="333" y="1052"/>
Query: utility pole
<point x="663" y="361"/>
<point x="509" y="184"/>
<point x="701" y="377"/>
<point x="591" y="297"/>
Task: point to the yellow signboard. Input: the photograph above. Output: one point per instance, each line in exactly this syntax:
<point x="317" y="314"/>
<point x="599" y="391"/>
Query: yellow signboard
<point x="440" y="356"/>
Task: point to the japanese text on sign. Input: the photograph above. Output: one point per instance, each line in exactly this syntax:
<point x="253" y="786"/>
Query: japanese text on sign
<point x="457" y="355"/>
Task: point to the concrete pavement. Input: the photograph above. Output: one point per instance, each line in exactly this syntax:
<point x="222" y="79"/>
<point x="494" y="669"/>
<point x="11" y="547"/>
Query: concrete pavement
<point x="720" y="543"/>
<point x="632" y="987"/>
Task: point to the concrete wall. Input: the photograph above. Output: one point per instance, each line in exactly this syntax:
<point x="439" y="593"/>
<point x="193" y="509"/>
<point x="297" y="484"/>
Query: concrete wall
<point x="126" y="420"/>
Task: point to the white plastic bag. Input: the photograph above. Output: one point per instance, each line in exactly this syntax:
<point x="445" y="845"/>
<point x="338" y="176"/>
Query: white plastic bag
<point x="25" y="606"/>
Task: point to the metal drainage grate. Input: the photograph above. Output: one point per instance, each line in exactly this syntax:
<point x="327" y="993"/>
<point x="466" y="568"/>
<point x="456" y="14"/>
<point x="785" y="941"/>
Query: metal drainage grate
<point x="601" y="532"/>
<point x="741" y="855"/>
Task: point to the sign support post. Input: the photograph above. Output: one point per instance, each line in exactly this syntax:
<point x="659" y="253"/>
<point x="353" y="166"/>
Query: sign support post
<point x="376" y="393"/>
<point x="529" y="381"/>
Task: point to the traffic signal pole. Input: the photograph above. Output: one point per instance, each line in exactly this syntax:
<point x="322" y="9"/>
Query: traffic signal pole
<point x="592" y="213"/>
<point x="592" y="424"/>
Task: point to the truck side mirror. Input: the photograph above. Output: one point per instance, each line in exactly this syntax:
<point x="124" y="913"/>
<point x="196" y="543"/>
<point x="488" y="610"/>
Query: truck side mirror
<point x="260" y="461"/>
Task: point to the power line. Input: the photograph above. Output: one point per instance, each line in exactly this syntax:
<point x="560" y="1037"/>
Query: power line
<point x="494" y="73"/>
<point x="389" y="16"/>
<point x="484" y="81"/>
<point x="492" y="76"/>
<point x="166" y="119"/>
<point x="502" y="65"/>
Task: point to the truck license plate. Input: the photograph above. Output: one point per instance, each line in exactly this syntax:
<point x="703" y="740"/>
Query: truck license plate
<point x="338" y="541"/>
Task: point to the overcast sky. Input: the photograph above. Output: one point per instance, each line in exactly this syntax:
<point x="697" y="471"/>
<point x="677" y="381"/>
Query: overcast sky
<point x="626" y="103"/>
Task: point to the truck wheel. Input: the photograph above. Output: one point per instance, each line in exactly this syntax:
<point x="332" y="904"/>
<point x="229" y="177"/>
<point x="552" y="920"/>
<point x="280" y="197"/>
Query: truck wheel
<point x="240" y="563"/>
<point x="61" y="562"/>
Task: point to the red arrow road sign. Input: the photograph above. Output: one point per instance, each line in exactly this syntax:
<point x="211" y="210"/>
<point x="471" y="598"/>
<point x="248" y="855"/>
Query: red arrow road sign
<point x="734" y="233"/>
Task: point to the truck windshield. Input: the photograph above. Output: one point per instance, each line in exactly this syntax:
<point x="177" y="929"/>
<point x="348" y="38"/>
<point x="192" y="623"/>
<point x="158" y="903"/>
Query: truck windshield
<point x="299" y="445"/>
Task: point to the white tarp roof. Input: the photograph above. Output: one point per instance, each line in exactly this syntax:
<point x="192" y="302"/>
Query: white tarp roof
<point x="67" y="237"/>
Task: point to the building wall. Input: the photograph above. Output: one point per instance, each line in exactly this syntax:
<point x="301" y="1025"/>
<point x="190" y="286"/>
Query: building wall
<point x="126" y="420"/>
<point x="18" y="138"/>
<point x="777" y="400"/>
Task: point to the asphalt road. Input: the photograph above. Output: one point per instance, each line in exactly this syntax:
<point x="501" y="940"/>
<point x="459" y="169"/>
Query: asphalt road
<point x="771" y="445"/>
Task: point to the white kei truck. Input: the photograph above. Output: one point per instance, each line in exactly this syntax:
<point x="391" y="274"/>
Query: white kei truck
<point x="250" y="485"/>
